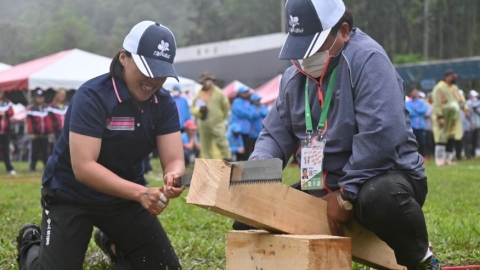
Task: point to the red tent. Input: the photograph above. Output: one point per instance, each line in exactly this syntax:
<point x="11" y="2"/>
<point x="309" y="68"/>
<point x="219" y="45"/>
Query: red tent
<point x="231" y="89"/>
<point x="65" y="69"/>
<point x="269" y="90"/>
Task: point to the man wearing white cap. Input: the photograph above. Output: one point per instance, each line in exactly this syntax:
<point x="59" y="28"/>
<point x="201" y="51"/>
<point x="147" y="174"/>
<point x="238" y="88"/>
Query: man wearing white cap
<point x="474" y="106"/>
<point x="343" y="96"/>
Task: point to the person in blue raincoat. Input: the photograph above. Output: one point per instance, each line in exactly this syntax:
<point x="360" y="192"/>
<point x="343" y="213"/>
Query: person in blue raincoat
<point x="260" y="111"/>
<point x="236" y="143"/>
<point x="182" y="106"/>
<point x="242" y="115"/>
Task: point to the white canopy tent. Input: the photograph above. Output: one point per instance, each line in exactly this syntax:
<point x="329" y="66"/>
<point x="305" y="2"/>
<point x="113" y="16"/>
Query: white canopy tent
<point x="71" y="71"/>
<point x="4" y="66"/>
<point x="185" y="84"/>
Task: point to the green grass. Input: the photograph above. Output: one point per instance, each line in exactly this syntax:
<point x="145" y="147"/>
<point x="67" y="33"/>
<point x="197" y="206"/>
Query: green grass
<point x="451" y="210"/>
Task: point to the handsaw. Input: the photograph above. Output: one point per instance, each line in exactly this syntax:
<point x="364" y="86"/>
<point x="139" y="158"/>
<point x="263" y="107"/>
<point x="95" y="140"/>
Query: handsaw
<point x="246" y="172"/>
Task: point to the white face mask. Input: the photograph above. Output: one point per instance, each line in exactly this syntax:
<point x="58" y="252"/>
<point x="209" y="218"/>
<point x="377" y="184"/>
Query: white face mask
<point x="314" y="64"/>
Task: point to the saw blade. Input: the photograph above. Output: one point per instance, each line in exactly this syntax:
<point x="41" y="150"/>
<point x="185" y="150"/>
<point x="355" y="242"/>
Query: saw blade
<point x="256" y="172"/>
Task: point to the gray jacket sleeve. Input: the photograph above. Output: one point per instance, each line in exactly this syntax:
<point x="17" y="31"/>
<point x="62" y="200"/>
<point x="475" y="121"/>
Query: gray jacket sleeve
<point x="380" y="115"/>
<point x="277" y="140"/>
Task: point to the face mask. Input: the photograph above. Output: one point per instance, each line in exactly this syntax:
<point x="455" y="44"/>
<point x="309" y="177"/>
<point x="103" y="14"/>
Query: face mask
<point x="314" y="64"/>
<point x="454" y="81"/>
<point x="175" y="93"/>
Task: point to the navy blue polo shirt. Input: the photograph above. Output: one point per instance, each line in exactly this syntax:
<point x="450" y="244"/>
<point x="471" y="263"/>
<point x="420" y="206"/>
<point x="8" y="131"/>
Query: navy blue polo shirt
<point x="104" y="108"/>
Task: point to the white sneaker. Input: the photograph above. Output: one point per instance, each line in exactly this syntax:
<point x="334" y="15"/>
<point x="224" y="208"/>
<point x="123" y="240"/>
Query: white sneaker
<point x="12" y="172"/>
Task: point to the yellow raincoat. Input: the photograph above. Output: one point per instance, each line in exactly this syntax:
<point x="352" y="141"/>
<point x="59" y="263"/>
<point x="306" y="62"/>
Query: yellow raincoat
<point x="212" y="130"/>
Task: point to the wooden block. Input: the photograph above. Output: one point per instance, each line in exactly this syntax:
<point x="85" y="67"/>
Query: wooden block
<point x="262" y="250"/>
<point x="278" y="208"/>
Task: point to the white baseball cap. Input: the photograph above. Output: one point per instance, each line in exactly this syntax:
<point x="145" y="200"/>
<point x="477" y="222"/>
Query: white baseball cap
<point x="309" y="23"/>
<point x="153" y="49"/>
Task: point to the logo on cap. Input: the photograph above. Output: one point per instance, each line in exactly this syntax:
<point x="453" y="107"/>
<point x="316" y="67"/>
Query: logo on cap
<point x="294" y="22"/>
<point x="163" y="47"/>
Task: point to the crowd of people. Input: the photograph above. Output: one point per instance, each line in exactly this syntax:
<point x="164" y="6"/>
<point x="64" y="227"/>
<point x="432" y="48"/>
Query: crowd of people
<point x="446" y="124"/>
<point x="214" y="128"/>
<point x="229" y="129"/>
<point x="44" y="123"/>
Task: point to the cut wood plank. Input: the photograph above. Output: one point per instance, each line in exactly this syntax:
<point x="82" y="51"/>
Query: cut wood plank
<point x="263" y="250"/>
<point x="278" y="208"/>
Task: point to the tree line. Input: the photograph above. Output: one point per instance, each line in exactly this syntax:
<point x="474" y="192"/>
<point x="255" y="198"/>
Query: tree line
<point x="409" y="30"/>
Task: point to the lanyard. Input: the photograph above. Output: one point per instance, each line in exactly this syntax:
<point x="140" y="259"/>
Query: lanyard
<point x="325" y="106"/>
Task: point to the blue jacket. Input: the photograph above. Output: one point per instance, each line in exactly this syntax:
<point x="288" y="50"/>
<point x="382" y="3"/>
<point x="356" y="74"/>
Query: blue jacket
<point x="242" y="114"/>
<point x="183" y="110"/>
<point x="368" y="129"/>
<point x="417" y="109"/>
<point x="235" y="142"/>
<point x="256" y="124"/>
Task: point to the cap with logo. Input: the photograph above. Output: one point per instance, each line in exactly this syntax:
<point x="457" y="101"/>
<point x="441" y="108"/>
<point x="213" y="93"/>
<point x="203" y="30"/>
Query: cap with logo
<point x="153" y="49"/>
<point x="38" y="92"/>
<point x="309" y="22"/>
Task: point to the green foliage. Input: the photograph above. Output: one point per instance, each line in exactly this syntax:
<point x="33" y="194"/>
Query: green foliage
<point x="451" y="212"/>
<point x="31" y="29"/>
<point x="67" y="31"/>
<point x="407" y="58"/>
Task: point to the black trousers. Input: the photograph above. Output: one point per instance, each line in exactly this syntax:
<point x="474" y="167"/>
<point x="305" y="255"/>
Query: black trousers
<point x="420" y="138"/>
<point x="475" y="135"/>
<point x="390" y="205"/>
<point x="67" y="225"/>
<point x="5" y="148"/>
<point x="430" y="143"/>
<point x="38" y="150"/>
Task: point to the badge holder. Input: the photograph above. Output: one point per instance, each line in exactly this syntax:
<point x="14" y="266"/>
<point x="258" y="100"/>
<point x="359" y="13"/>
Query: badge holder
<point x="311" y="169"/>
<point x="311" y="165"/>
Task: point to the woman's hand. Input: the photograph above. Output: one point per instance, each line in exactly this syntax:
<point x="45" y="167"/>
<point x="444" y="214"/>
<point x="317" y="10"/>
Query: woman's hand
<point x="154" y="200"/>
<point x="170" y="190"/>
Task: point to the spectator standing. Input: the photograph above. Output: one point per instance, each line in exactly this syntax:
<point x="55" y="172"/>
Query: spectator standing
<point x="191" y="144"/>
<point x="39" y="126"/>
<point x="236" y="143"/>
<point x="211" y="108"/>
<point x="459" y="130"/>
<point x="182" y="106"/>
<point x="417" y="109"/>
<point x="446" y="114"/>
<point x="243" y="115"/>
<point x="474" y="105"/>
<point x="58" y="109"/>
<point x="6" y="112"/>
<point x="429" y="141"/>
<point x="466" y="143"/>
<point x="256" y="124"/>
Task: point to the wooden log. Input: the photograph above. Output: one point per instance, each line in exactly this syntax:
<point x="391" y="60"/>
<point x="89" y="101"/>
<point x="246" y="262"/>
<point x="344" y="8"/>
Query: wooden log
<point x="278" y="208"/>
<point x="262" y="250"/>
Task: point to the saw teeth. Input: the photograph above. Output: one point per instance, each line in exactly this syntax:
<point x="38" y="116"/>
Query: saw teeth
<point x="253" y="182"/>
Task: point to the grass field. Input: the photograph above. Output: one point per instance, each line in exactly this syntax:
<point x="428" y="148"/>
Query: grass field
<point x="452" y="212"/>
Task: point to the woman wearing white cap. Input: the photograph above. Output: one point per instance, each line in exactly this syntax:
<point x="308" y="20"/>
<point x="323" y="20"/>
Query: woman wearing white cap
<point x="95" y="174"/>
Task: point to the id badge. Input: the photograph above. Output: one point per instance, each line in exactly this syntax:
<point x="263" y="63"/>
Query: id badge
<point x="311" y="165"/>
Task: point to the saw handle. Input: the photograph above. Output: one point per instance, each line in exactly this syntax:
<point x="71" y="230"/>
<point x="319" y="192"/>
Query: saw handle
<point x="177" y="182"/>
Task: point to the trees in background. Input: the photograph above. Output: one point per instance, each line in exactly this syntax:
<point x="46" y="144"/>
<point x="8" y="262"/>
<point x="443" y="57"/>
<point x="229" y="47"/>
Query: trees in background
<point x="30" y="29"/>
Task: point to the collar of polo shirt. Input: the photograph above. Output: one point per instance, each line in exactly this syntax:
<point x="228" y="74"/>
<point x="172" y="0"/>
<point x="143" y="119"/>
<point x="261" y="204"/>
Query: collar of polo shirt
<point x="123" y="94"/>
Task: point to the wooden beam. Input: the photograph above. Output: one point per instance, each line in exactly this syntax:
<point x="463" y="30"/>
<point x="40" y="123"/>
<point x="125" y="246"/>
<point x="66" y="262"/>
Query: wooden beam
<point x="278" y="208"/>
<point x="263" y="250"/>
